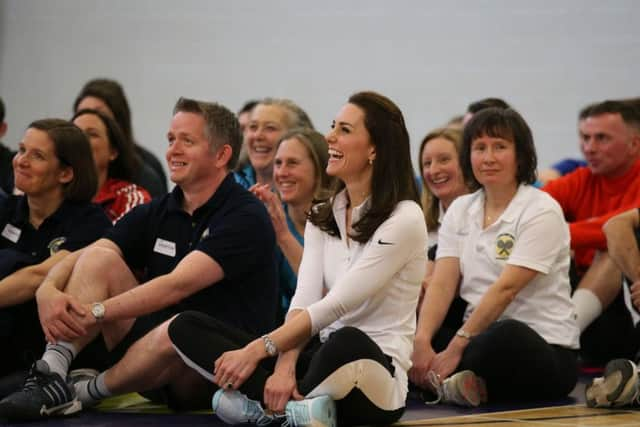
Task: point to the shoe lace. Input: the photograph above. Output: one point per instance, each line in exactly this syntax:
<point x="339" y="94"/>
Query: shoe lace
<point x="437" y="386"/>
<point x="296" y="415"/>
<point x="34" y="380"/>
<point x="256" y="414"/>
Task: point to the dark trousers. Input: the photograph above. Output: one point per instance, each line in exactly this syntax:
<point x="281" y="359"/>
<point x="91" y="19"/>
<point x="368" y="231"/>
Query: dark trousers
<point x="514" y="360"/>
<point x="203" y="339"/>
<point x="22" y="335"/>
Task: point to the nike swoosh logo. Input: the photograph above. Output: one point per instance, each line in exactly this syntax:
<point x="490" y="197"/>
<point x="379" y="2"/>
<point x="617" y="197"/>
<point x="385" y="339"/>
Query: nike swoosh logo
<point x="381" y="242"/>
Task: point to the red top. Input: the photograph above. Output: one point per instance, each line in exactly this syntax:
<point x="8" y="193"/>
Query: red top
<point x="117" y="197"/>
<point x="588" y="201"/>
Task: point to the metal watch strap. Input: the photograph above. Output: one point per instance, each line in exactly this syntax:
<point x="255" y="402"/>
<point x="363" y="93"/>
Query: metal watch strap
<point x="270" y="346"/>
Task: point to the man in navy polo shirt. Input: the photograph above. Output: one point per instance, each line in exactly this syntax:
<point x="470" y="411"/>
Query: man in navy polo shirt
<point x="208" y="245"/>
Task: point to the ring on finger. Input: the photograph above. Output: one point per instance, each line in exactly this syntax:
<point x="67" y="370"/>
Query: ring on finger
<point x="229" y="385"/>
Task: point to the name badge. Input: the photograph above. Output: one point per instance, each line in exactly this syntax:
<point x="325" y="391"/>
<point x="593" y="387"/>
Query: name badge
<point x="165" y="247"/>
<point x="11" y="232"/>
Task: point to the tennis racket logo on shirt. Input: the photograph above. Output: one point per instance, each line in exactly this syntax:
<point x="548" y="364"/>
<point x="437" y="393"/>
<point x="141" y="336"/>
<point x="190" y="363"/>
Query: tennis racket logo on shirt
<point x="54" y="245"/>
<point x="504" y="246"/>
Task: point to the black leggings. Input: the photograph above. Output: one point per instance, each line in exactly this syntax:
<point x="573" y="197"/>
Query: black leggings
<point x="516" y="363"/>
<point x="201" y="339"/>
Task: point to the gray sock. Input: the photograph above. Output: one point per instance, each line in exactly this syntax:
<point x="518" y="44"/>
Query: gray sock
<point x="93" y="390"/>
<point x="59" y="356"/>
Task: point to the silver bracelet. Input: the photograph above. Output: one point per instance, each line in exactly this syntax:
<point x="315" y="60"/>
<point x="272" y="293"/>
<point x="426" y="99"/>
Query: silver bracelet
<point x="463" y="334"/>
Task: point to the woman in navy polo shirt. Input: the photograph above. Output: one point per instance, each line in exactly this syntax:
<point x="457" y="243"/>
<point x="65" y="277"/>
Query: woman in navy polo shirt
<point x="300" y="176"/>
<point x="55" y="171"/>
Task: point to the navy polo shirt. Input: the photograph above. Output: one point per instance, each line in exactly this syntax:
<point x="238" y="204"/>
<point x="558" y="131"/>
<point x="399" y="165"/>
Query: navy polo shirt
<point x="72" y="226"/>
<point x="233" y="228"/>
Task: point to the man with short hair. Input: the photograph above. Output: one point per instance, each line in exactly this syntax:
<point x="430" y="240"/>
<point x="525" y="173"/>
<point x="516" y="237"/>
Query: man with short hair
<point x="610" y="142"/>
<point x="206" y="246"/>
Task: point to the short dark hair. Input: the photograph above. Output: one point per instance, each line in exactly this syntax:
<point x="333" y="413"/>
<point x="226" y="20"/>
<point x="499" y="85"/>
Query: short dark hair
<point x="502" y="123"/>
<point x="634" y="102"/>
<point x="72" y="148"/>
<point x="221" y="128"/>
<point x="125" y="165"/>
<point x="2" y="111"/>
<point x="112" y="94"/>
<point x="481" y="104"/>
<point x="248" y="106"/>
<point x="627" y="109"/>
<point x="392" y="176"/>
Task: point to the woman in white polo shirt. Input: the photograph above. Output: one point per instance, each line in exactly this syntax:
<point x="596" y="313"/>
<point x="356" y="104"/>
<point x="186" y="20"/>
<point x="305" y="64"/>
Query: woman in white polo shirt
<point x="505" y="250"/>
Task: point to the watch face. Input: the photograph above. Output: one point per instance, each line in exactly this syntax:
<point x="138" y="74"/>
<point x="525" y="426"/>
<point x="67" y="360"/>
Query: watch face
<point x="97" y="310"/>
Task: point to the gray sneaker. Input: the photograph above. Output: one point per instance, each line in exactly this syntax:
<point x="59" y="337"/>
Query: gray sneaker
<point x="463" y="388"/>
<point x="618" y="387"/>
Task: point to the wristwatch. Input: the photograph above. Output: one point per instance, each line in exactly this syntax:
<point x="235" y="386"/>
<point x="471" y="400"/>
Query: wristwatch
<point x="269" y="346"/>
<point x="97" y="309"/>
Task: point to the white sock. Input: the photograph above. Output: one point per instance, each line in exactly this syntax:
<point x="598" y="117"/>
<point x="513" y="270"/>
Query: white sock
<point x="59" y="356"/>
<point x="587" y="307"/>
<point x="94" y="390"/>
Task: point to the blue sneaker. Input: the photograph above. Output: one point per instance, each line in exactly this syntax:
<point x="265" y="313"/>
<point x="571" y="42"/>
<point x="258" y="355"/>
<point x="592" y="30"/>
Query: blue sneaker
<point x="44" y="394"/>
<point x="316" y="412"/>
<point x="233" y="407"/>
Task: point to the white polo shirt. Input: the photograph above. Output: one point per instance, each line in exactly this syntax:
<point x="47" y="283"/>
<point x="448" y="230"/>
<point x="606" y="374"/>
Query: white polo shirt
<point x="372" y="286"/>
<point x="531" y="233"/>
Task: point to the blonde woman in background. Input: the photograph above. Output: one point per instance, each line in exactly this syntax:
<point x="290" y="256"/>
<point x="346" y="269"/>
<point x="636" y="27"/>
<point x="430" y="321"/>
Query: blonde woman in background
<point x="442" y="182"/>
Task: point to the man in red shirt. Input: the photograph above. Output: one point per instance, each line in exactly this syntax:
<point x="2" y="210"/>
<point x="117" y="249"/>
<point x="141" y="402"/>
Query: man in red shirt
<point x="610" y="183"/>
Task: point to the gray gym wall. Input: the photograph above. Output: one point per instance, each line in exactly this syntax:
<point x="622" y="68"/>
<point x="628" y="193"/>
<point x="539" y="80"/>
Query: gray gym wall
<point x="547" y="58"/>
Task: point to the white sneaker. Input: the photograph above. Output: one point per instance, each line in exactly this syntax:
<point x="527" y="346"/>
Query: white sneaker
<point x="315" y="412"/>
<point x="233" y="407"/>
<point x="618" y="387"/>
